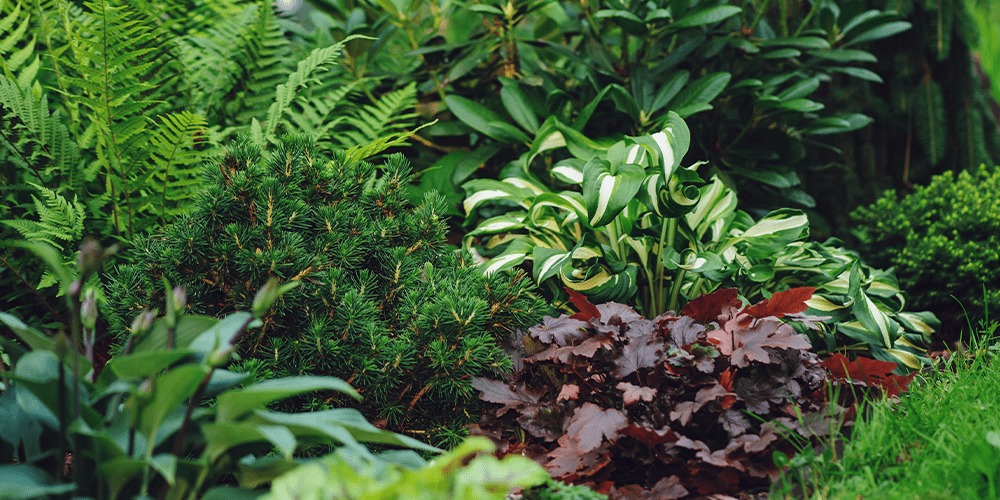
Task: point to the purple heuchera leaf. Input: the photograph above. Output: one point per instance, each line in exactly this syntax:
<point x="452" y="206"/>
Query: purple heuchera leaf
<point x="517" y="397"/>
<point x="590" y="425"/>
<point x="682" y="332"/>
<point x="640" y="352"/>
<point x="563" y="330"/>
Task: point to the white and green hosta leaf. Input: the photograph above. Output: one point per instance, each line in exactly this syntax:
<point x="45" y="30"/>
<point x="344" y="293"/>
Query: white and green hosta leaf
<point x="479" y="191"/>
<point x="498" y="224"/>
<point x="607" y="191"/>
<point x="514" y="254"/>
<point x="569" y="170"/>
<point x="715" y="203"/>
<point x="776" y="230"/>
<point x="600" y="285"/>
<point x="869" y="315"/>
<point x="924" y="323"/>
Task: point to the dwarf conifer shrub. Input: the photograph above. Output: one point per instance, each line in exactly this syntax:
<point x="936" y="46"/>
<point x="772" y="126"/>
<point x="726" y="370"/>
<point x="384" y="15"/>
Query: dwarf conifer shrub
<point x="382" y="303"/>
<point x="943" y="240"/>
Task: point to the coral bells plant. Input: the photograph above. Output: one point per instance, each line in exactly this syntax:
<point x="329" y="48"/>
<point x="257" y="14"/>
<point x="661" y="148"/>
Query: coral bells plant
<point x="689" y="404"/>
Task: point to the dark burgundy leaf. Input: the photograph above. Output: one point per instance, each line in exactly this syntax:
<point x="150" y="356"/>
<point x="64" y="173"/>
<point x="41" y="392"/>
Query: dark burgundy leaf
<point x="756" y="393"/>
<point x="683" y="331"/>
<point x="640" y="352"/>
<point x="563" y="330"/>
<point x="684" y="410"/>
<point x="633" y="393"/>
<point x="640" y="328"/>
<point x="549" y="428"/>
<point x="590" y="425"/>
<point x="669" y="488"/>
<point x="750" y="342"/>
<point x="867" y="370"/>
<point x="568" y="391"/>
<point x="587" y="310"/>
<point x="516" y="397"/>
<point x="649" y="437"/>
<point x="609" y="310"/>
<point x="781" y="303"/>
<point x="707" y="308"/>
<point x="734" y="422"/>
<point x="568" y="458"/>
<point x="565" y="354"/>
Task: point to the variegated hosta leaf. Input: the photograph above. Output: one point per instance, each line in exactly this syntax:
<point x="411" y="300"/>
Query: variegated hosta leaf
<point x="568" y="203"/>
<point x="715" y="203"/>
<point x="777" y="229"/>
<point x="517" y="190"/>
<point x="644" y="247"/>
<point x="514" y="254"/>
<point x="670" y="145"/>
<point x="668" y="200"/>
<point x="569" y="170"/>
<point x="555" y="134"/>
<point x="547" y="262"/>
<point x="600" y="285"/>
<point x="498" y="224"/>
<point x="869" y="315"/>
<point x="607" y="192"/>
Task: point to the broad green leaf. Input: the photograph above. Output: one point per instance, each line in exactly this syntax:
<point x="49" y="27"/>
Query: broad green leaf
<point x="27" y="482"/>
<point x="702" y="90"/>
<point x="483" y="120"/>
<point x="705" y="16"/>
<point x="801" y="105"/>
<point x="839" y="123"/>
<point x="280" y="437"/>
<point x="518" y="106"/>
<point x="52" y="259"/>
<point x="119" y="472"/>
<point x="845" y="55"/>
<point x="145" y="364"/>
<point x="785" y="53"/>
<point x="868" y="314"/>
<point x="880" y="32"/>
<point x="470" y="162"/>
<point x="166" y="465"/>
<point x="606" y="192"/>
<point x="862" y="73"/>
<point x="668" y="91"/>
<point x="627" y="20"/>
<point x="800" y="89"/>
<point x="805" y="42"/>
<point x="170" y="391"/>
<point x="188" y="328"/>
<point x="219" y="334"/>
<point x="35" y="339"/>
<point x="233" y="404"/>
<point x="346" y="418"/>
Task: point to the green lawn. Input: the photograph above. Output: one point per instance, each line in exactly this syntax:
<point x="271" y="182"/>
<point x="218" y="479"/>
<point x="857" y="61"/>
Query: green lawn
<point x="941" y="440"/>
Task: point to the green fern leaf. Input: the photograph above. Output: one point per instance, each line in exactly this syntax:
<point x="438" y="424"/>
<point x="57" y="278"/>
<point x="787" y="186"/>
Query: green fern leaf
<point x="358" y="153"/>
<point x="172" y="158"/>
<point x="386" y="117"/>
<point x="285" y="93"/>
<point x="59" y="221"/>
<point x="315" y="114"/>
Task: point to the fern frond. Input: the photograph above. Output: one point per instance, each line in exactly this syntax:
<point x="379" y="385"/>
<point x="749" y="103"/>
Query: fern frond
<point x="60" y="220"/>
<point x="12" y="59"/>
<point x="387" y="116"/>
<point x="46" y="131"/>
<point x="319" y="113"/>
<point x="264" y="66"/>
<point x="213" y="58"/>
<point x="285" y="93"/>
<point x="358" y="153"/>
<point x="174" y="160"/>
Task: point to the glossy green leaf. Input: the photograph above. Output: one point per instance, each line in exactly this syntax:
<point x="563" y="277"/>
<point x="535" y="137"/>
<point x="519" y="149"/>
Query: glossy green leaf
<point x="702" y="90"/>
<point x="145" y="364"/>
<point x="219" y="334"/>
<point x="862" y="73"/>
<point x="35" y="339"/>
<point x="234" y="404"/>
<point x="845" y="55"/>
<point x="627" y="20"/>
<point x="346" y="418"/>
<point x="483" y="120"/>
<point x="800" y="89"/>
<point x="188" y="328"/>
<point x="805" y="42"/>
<point x="27" y="482"/>
<point x="801" y="105"/>
<point x="880" y="32"/>
<point x="705" y="16"/>
<point x="668" y="91"/>
<point x="518" y="106"/>
<point x="785" y="53"/>
<point x="170" y="391"/>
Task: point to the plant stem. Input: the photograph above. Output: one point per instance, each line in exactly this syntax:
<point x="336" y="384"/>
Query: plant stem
<point x="808" y="18"/>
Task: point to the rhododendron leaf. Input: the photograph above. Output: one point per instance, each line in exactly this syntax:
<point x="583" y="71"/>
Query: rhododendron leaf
<point x="590" y="425"/>
<point x="707" y="308"/>
<point x="781" y="303"/>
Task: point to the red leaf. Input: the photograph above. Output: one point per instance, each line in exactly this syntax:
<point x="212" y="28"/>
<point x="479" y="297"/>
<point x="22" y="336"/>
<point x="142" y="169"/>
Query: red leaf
<point x="726" y="379"/>
<point x="517" y="397"/>
<point x="867" y="370"/>
<point x="787" y="302"/>
<point x="649" y="437"/>
<point x="707" y="308"/>
<point x="587" y="310"/>
<point x="894" y="384"/>
<point x="634" y="393"/>
<point x="590" y="425"/>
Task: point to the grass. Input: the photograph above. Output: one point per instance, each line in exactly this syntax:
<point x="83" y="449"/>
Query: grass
<point x="941" y="440"/>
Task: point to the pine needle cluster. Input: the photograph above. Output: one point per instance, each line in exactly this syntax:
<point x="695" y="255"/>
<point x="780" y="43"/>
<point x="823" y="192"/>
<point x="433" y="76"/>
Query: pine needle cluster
<point x="383" y="304"/>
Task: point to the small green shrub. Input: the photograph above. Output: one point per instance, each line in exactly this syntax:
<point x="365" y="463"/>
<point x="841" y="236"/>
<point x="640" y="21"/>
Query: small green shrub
<point x="382" y="303"/>
<point x="943" y="240"/>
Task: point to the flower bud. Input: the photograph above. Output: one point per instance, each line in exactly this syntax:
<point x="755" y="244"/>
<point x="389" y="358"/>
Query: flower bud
<point x="265" y="297"/>
<point x="220" y="357"/>
<point x="88" y="310"/>
<point x="89" y="260"/>
<point x="142" y="323"/>
<point x="176" y="302"/>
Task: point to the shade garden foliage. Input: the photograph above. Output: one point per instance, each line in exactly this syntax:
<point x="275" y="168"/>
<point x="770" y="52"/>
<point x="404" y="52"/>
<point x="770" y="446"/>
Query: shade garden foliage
<point x="589" y="234"/>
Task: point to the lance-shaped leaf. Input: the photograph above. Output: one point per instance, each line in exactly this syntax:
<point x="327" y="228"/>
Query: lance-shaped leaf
<point x="776" y="230"/>
<point x="513" y="255"/>
<point x="716" y="201"/>
<point x="868" y="314"/>
<point x="498" y="224"/>
<point x="479" y="191"/>
<point x="606" y="192"/>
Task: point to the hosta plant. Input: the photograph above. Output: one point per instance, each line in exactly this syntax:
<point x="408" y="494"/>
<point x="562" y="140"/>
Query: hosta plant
<point x="382" y="304"/>
<point x="629" y="223"/>
<point x="142" y="425"/>
<point x="679" y="405"/>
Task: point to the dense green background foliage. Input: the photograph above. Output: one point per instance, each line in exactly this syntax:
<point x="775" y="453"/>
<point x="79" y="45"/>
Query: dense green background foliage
<point x="383" y="304"/>
<point x="943" y="240"/>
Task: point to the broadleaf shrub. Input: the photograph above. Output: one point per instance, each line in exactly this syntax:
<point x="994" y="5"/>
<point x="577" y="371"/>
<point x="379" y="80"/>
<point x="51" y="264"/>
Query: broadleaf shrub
<point x="690" y="404"/>
<point x="943" y="240"/>
<point x="382" y="303"/>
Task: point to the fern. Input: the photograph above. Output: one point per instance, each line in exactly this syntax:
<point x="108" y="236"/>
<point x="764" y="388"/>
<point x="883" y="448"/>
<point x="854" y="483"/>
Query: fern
<point x="264" y="67"/>
<point x="389" y="115"/>
<point x="285" y="93"/>
<point x="213" y="59"/>
<point x="47" y="133"/>
<point x="929" y="119"/>
<point x="60" y="220"/>
<point x="320" y="113"/>
<point x="175" y="162"/>
<point x="12" y="57"/>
